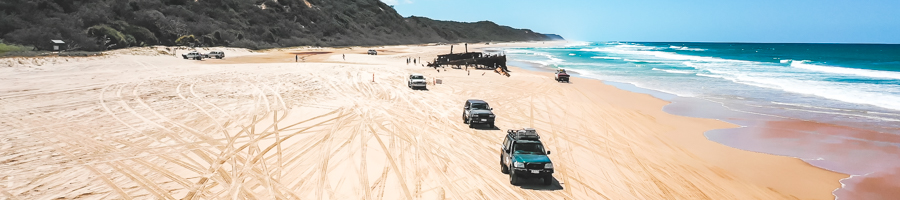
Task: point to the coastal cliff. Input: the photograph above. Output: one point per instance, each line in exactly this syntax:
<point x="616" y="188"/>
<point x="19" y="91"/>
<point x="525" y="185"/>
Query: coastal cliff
<point x="112" y="24"/>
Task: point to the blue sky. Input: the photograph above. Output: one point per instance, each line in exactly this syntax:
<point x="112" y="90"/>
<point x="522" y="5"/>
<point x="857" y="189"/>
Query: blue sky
<point x="794" y="21"/>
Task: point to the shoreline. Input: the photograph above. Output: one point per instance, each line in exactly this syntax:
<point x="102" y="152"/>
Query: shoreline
<point x="756" y="170"/>
<point x="729" y="117"/>
<point x="866" y="152"/>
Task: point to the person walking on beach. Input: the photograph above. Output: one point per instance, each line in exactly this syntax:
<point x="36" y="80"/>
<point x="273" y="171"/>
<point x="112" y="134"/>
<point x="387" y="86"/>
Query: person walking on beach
<point x="344" y="55"/>
<point x="296" y="58"/>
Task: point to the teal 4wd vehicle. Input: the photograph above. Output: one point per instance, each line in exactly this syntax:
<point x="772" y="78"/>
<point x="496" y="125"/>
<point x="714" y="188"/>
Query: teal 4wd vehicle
<point x="523" y="156"/>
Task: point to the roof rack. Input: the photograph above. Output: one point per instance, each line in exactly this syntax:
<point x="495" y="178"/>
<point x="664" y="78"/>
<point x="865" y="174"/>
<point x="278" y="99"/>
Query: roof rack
<point x="524" y="134"/>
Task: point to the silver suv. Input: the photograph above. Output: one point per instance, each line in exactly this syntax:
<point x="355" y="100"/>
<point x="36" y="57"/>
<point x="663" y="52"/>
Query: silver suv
<point x="215" y="54"/>
<point x="417" y="81"/>
<point x="193" y="55"/>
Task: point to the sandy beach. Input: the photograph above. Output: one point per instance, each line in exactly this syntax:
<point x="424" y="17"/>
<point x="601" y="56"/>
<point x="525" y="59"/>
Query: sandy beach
<point x="340" y="124"/>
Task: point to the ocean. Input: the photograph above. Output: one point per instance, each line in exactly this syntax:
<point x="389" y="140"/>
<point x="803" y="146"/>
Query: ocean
<point x="760" y="86"/>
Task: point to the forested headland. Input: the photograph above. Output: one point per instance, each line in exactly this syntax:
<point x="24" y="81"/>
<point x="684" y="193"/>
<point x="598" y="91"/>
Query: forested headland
<point x="95" y="25"/>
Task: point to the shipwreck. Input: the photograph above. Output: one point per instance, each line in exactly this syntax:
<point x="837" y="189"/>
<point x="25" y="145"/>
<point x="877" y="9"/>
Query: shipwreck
<point x="492" y="60"/>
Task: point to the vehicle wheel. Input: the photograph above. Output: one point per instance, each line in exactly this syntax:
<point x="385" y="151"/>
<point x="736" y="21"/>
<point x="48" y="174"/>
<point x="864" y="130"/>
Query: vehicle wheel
<point x="503" y="168"/>
<point x="471" y="125"/>
<point x="548" y="179"/>
<point x="513" y="180"/>
<point x="465" y="119"/>
<point x="491" y="125"/>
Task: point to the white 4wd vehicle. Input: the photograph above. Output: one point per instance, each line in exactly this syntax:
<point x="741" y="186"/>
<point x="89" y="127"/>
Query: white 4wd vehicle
<point x="215" y="54"/>
<point x="193" y="55"/>
<point x="417" y="81"/>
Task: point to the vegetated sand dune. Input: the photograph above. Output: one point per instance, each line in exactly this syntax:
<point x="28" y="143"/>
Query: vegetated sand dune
<point x="159" y="127"/>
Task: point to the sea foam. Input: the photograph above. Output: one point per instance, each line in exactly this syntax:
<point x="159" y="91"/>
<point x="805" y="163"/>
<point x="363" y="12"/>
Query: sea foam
<point x="847" y="71"/>
<point x="606" y="57"/>
<point x="674" y="71"/>
<point x="686" y="48"/>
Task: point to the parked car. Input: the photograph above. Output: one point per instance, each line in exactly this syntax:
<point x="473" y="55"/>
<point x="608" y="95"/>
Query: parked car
<point x="478" y="112"/>
<point x="373" y="52"/>
<point x="215" y="54"/>
<point x="192" y="55"/>
<point x="417" y="81"/>
<point x="522" y="155"/>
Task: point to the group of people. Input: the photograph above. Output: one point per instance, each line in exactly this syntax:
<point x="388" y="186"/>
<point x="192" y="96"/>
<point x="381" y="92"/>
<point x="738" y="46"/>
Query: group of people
<point x="413" y="60"/>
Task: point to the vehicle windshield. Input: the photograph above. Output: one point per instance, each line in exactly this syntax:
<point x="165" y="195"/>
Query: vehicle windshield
<point x="529" y="148"/>
<point x="480" y="106"/>
<point x="418" y="77"/>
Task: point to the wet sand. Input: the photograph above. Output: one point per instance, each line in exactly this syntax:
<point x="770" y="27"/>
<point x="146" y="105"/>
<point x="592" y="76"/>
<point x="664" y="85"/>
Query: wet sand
<point x="258" y="125"/>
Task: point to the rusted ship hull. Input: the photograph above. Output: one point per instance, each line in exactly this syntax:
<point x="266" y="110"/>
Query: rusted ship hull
<point x="474" y="59"/>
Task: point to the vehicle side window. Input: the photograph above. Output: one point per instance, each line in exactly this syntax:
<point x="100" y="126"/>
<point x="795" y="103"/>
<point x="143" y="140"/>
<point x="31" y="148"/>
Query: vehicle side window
<point x="467" y="104"/>
<point x="505" y="143"/>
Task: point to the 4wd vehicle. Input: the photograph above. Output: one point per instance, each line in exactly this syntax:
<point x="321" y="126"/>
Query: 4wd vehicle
<point x="215" y="54"/>
<point x="416" y="81"/>
<point x="561" y="76"/>
<point x="522" y="155"/>
<point x="373" y="52"/>
<point x="477" y="112"/>
<point x="193" y="55"/>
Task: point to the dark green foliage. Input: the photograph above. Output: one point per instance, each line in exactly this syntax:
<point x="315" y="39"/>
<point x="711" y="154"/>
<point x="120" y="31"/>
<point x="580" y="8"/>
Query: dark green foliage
<point x="187" y="40"/>
<point x="110" y="38"/>
<point x="103" y="24"/>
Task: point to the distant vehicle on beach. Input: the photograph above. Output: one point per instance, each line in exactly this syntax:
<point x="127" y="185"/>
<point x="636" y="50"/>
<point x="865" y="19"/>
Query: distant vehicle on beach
<point x="478" y="112"/>
<point x="416" y="81"/>
<point x="522" y="155"/>
<point x="373" y="52"/>
<point x="561" y="76"/>
<point x="192" y="55"/>
<point x="215" y="54"/>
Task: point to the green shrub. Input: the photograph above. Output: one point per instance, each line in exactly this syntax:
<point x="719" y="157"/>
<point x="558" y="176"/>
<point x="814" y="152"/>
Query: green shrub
<point x="12" y="48"/>
<point x="111" y="37"/>
<point x="186" y="40"/>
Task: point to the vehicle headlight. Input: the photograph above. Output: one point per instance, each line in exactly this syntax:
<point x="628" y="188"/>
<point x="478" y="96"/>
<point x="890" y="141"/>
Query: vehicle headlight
<point x="548" y="166"/>
<point x="518" y="165"/>
<point x="491" y="115"/>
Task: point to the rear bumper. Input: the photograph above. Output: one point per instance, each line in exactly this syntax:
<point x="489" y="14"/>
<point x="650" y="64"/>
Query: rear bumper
<point x="528" y="173"/>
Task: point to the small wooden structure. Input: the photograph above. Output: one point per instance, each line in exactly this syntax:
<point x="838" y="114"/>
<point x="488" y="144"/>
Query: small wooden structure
<point x="57" y="45"/>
